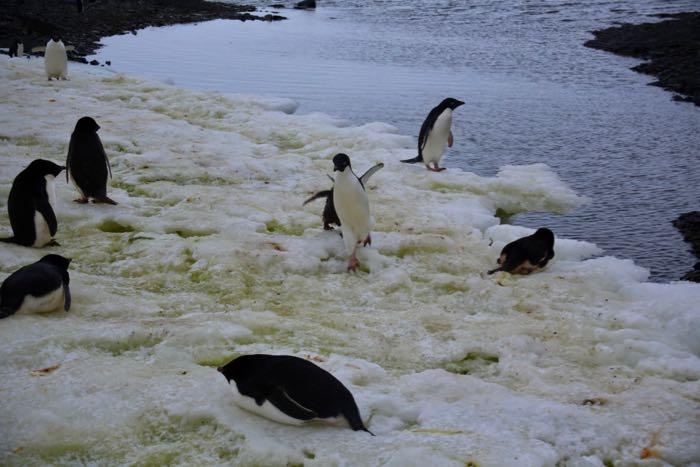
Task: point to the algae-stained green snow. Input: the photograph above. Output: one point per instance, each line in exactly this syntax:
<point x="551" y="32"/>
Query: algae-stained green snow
<point x="210" y="255"/>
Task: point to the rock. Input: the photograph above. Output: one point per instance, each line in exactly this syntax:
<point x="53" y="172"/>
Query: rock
<point x="108" y="63"/>
<point x="94" y="62"/>
<point x="689" y="226"/>
<point x="277" y="5"/>
<point x="306" y="5"/>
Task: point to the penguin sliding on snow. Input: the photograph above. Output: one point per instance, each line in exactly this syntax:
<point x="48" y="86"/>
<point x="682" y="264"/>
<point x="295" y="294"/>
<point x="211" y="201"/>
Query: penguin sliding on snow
<point x="330" y="216"/>
<point x="352" y="206"/>
<point x="39" y="287"/>
<point x="55" y="58"/>
<point x="87" y="165"/>
<point x="527" y="254"/>
<point x="31" y="205"/>
<point x="290" y="390"/>
<point x="434" y="134"/>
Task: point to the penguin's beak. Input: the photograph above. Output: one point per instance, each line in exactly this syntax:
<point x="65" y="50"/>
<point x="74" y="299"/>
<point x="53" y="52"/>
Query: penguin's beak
<point x="459" y="103"/>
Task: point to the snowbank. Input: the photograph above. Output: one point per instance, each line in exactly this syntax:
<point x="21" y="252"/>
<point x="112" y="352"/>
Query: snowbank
<point x="210" y="255"/>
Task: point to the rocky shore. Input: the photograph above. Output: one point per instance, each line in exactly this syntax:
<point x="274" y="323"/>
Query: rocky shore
<point x="672" y="48"/>
<point x="33" y="22"/>
<point x="689" y="226"/>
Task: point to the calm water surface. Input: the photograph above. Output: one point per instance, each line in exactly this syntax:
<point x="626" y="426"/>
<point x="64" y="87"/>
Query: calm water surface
<point x="533" y="93"/>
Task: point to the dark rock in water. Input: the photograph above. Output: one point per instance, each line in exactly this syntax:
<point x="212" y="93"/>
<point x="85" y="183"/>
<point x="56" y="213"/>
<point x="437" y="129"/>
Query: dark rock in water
<point x="672" y="48"/>
<point x="276" y="5"/>
<point x="94" y="62"/>
<point x="306" y="5"/>
<point x="108" y="63"/>
<point x="34" y="21"/>
<point x="689" y="226"/>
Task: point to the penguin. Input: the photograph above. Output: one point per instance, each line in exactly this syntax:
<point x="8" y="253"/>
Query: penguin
<point x="87" y="165"/>
<point x="352" y="206"/>
<point x="527" y="254"/>
<point x="79" y="5"/>
<point x="329" y="215"/>
<point x="38" y="287"/>
<point x="16" y="49"/>
<point x="56" y="59"/>
<point x="290" y="390"/>
<point x="31" y="205"/>
<point x="434" y="134"/>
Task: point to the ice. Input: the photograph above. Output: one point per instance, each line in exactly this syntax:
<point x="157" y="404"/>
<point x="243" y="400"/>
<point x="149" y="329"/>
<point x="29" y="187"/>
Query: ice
<point x="210" y="254"/>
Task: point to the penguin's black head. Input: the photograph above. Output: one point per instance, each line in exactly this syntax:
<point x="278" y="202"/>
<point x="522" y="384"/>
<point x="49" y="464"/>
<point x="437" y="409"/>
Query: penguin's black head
<point x="42" y="167"/>
<point x="546" y="235"/>
<point x="340" y="161"/>
<point x="87" y="124"/>
<point x="56" y="38"/>
<point x="57" y="260"/>
<point x="451" y="103"/>
<point x="244" y="365"/>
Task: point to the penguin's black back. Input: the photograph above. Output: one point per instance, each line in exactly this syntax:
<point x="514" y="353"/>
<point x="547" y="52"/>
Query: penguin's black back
<point x="258" y="376"/>
<point x="537" y="248"/>
<point x="36" y="279"/>
<point x="87" y="161"/>
<point x="28" y="195"/>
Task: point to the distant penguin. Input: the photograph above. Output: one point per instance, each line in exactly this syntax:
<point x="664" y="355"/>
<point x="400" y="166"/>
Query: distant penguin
<point x="329" y="215"/>
<point x="527" y="254"/>
<point x="87" y="165"/>
<point x="352" y="206"/>
<point x="290" y="390"/>
<point x="16" y="49"/>
<point x="39" y="287"/>
<point x="434" y="134"/>
<point x="31" y="205"/>
<point x="56" y="59"/>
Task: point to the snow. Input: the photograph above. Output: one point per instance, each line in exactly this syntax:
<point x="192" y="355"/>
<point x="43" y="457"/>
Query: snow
<point x="210" y="255"/>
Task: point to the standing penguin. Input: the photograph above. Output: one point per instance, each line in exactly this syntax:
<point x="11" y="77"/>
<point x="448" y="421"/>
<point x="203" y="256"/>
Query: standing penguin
<point x="330" y="216"/>
<point x="352" y="206"/>
<point x="31" y="205"/>
<point x="56" y="59"/>
<point x="87" y="165"/>
<point x="290" y="390"/>
<point x="39" y="287"/>
<point x="527" y="254"/>
<point x="434" y="134"/>
<point x="16" y="49"/>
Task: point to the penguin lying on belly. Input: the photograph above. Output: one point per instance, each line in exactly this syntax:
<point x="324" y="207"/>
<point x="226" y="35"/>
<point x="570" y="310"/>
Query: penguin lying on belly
<point x="330" y="216"/>
<point x="31" y="205"/>
<point x="434" y="134"/>
<point x="39" y="287"/>
<point x="290" y="390"/>
<point x="527" y="254"/>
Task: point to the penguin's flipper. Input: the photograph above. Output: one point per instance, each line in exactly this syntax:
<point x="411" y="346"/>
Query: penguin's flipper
<point x="8" y="240"/>
<point x="104" y="155"/>
<point x="450" y="139"/>
<point x="320" y="194"/>
<point x="38" y="49"/>
<point x="372" y="170"/>
<point x="500" y="268"/>
<point x="70" y="154"/>
<point x="352" y="415"/>
<point x="66" y="297"/>
<point x="418" y="158"/>
<point x="280" y="399"/>
<point x="45" y="209"/>
<point x="332" y="179"/>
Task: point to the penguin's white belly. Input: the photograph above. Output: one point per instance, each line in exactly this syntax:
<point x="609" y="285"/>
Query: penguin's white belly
<point x="20" y="50"/>
<point x="41" y="228"/>
<point x="437" y="138"/>
<point x="352" y="206"/>
<point x="52" y="301"/>
<point x="55" y="61"/>
<point x="266" y="410"/>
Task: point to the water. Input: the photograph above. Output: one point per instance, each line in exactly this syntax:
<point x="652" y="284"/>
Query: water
<point x="533" y="93"/>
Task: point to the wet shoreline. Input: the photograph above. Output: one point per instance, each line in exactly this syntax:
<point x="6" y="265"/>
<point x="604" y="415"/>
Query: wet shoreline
<point x="33" y="22"/>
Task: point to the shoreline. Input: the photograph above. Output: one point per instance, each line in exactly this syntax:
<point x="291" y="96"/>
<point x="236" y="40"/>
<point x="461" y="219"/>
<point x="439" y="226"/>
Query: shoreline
<point x="670" y="49"/>
<point x="33" y="22"/>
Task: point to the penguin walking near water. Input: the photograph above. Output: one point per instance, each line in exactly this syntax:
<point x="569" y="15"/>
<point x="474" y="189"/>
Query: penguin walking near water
<point x="330" y="216"/>
<point x="434" y="134"/>
<point x="352" y="206"/>
<point x="87" y="165"/>
<point x="527" y="254"/>
<point x="32" y="203"/>
<point x="39" y="287"/>
<point x="290" y="390"/>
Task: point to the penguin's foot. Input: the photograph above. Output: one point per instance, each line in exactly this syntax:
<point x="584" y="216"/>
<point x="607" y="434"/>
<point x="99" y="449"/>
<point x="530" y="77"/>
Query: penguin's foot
<point x="53" y="243"/>
<point x="367" y="241"/>
<point x="105" y="200"/>
<point x="328" y="227"/>
<point x="353" y="264"/>
<point x="80" y="200"/>
<point x="435" y="169"/>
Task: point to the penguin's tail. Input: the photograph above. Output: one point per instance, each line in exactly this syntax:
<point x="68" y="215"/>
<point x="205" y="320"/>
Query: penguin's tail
<point x="418" y="158"/>
<point x="353" y="418"/>
<point x="8" y="240"/>
<point x="320" y="194"/>
<point x="500" y="268"/>
<point x="4" y="312"/>
<point x="105" y="200"/>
